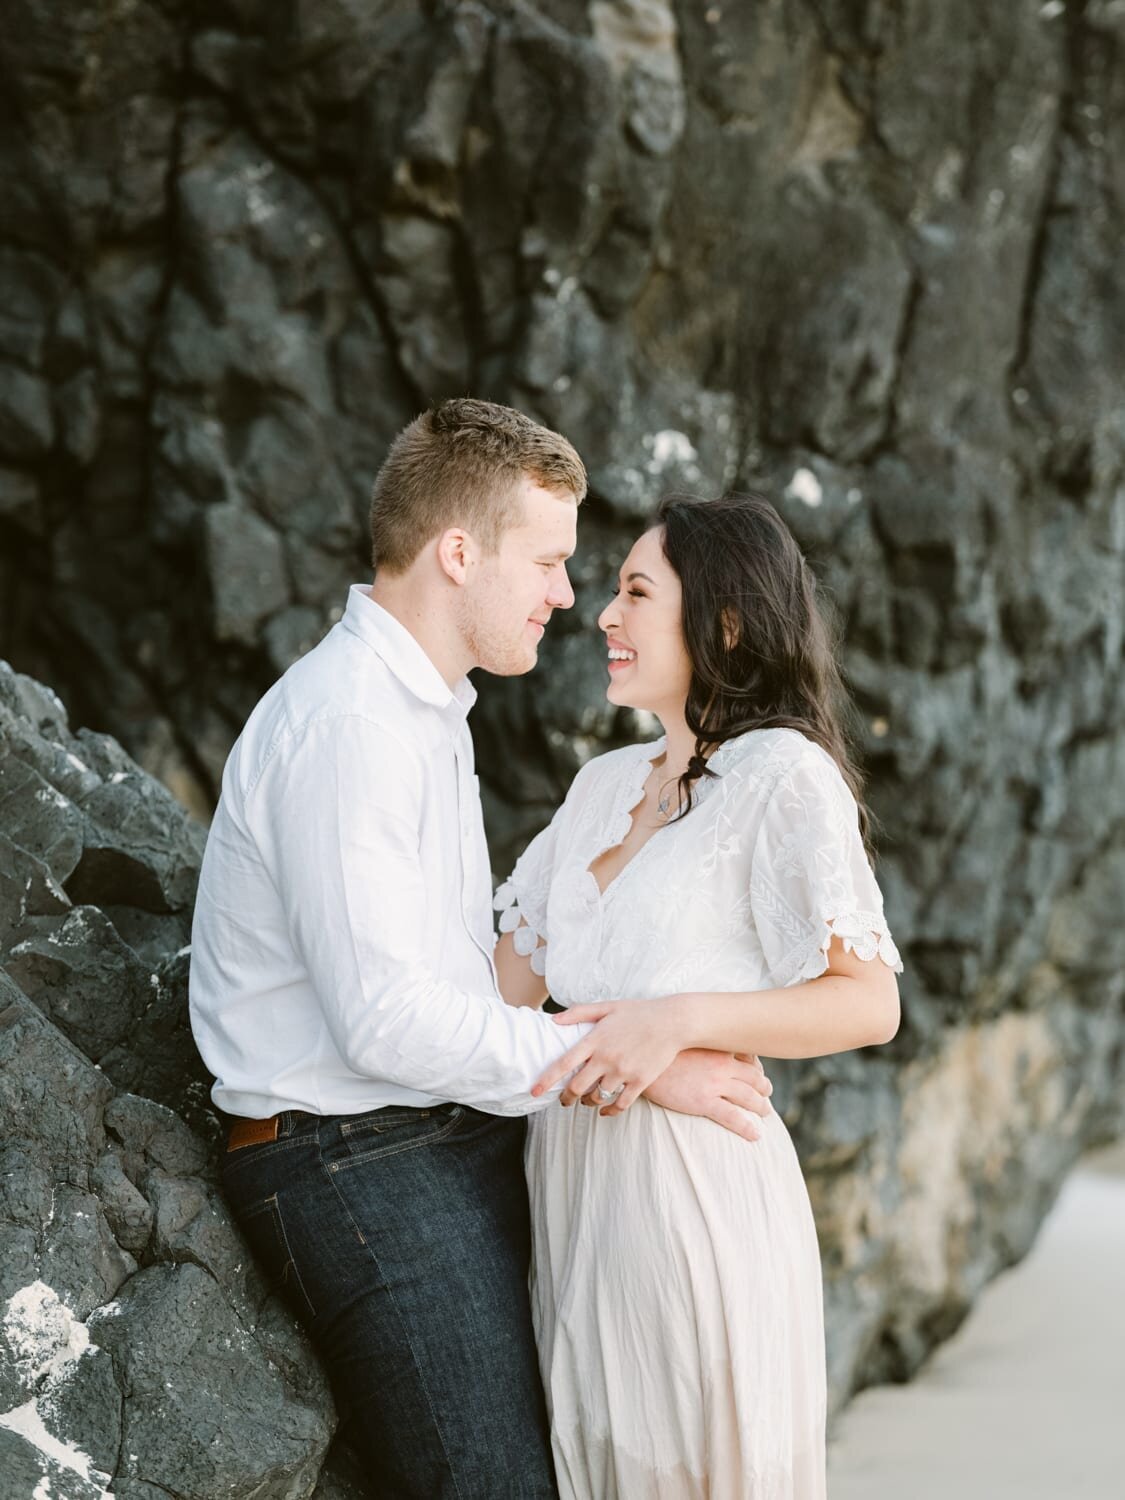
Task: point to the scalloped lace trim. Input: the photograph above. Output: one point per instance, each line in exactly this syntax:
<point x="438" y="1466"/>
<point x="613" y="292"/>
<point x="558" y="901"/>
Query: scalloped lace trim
<point x="632" y="789"/>
<point x="864" y="933"/>
<point x="527" y="942"/>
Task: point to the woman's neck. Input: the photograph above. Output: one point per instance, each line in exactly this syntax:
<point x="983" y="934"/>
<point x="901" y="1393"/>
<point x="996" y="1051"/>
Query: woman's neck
<point x="679" y="744"/>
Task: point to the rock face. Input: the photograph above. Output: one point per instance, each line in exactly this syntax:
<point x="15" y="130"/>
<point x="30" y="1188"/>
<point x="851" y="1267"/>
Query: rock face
<point x="137" y="1341"/>
<point x="863" y="256"/>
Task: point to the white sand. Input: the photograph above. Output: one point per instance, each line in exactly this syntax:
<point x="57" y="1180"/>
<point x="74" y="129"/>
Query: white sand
<point x="1027" y="1401"/>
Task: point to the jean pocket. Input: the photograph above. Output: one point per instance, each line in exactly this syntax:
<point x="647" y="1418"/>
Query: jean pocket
<point x="264" y="1154"/>
<point x="264" y="1230"/>
<point x="386" y="1132"/>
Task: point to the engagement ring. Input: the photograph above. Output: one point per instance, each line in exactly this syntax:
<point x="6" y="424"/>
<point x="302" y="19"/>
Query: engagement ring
<point x="607" y="1096"/>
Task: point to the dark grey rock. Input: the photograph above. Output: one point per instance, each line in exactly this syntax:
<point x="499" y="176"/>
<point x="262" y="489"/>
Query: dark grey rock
<point x="128" y="1213"/>
<point x="343" y="1476"/>
<point x="27" y="887"/>
<point x="80" y="416"/>
<point x="247" y="564"/>
<point x="136" y="1331"/>
<point x="20" y="502"/>
<point x="85" y="1410"/>
<point x="26" y="1468"/>
<point x="80" y="973"/>
<point x="207" y="1410"/>
<point x="40" y="819"/>
<point x="26" y="424"/>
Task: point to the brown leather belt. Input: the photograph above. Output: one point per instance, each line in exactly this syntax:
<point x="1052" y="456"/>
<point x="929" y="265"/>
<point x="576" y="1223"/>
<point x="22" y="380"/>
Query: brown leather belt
<point x="256" y="1132"/>
<point x="252" y="1132"/>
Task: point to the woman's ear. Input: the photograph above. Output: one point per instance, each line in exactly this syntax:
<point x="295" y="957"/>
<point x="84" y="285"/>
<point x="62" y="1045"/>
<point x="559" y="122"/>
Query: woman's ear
<point x="732" y="632"/>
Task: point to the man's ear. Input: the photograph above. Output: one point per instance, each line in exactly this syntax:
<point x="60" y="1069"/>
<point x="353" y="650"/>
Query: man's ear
<point x="456" y="555"/>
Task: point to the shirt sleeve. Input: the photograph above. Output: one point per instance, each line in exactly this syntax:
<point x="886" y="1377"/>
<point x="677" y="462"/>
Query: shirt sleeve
<point x="811" y="879"/>
<point x="522" y="899"/>
<point x="337" y="818"/>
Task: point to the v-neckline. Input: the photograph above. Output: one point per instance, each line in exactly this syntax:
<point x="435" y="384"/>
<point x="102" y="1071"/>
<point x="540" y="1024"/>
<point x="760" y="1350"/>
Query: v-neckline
<point x="629" y="794"/>
<point x="631" y="788"/>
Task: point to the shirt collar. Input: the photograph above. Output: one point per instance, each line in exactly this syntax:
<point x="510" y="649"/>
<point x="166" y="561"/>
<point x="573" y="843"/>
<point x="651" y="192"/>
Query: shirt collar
<point x="391" y="641"/>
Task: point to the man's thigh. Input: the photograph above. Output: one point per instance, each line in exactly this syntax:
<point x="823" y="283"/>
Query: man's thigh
<point x="402" y="1239"/>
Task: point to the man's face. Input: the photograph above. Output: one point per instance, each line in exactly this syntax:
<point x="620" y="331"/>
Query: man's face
<point x="506" y="606"/>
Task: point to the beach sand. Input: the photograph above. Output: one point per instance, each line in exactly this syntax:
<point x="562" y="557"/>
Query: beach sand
<point x="1027" y="1400"/>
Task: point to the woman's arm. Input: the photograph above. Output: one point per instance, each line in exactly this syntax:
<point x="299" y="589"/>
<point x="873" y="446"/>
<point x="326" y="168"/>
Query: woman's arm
<point x="853" y="1004"/>
<point x="519" y="983"/>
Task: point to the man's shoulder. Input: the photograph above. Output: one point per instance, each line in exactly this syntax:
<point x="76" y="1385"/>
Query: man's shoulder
<point x="337" y="683"/>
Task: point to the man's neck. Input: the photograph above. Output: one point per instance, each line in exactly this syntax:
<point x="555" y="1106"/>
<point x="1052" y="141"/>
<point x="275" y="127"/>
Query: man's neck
<point x="441" y="643"/>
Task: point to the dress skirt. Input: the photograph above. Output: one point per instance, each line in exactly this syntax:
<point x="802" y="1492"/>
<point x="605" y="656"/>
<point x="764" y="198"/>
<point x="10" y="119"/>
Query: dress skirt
<point x="676" y="1292"/>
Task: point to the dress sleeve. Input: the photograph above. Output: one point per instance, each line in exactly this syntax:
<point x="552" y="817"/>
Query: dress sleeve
<point x="522" y="899"/>
<point x="811" y="880"/>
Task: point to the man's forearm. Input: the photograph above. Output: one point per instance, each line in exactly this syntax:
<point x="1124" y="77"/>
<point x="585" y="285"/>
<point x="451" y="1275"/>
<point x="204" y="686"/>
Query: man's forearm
<point x="429" y="1035"/>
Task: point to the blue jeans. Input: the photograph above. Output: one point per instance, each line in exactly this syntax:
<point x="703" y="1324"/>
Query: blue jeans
<point x="401" y="1240"/>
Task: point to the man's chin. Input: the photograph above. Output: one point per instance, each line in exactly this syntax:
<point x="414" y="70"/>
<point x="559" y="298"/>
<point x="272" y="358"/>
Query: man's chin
<point x="512" y="666"/>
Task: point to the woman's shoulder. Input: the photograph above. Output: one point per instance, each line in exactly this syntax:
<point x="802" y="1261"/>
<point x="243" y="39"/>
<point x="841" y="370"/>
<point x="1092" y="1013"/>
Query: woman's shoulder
<point x="786" y="748"/>
<point x="606" y="767"/>
<point x="769" y="758"/>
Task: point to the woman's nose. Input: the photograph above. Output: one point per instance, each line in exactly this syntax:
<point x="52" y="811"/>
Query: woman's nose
<point x="608" y="617"/>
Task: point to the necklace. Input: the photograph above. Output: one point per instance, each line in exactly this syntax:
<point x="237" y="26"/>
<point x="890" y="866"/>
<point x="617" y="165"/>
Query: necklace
<point x="664" y="799"/>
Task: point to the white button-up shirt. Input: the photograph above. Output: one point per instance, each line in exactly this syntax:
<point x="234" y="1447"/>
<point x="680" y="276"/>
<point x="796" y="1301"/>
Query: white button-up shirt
<point x="342" y="942"/>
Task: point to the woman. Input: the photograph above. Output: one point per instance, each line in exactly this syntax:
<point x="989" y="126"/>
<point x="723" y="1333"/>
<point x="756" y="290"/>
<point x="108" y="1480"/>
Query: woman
<point x="711" y="889"/>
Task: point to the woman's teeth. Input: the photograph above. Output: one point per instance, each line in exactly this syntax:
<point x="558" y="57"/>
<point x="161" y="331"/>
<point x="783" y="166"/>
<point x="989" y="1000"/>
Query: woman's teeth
<point x="616" y="655"/>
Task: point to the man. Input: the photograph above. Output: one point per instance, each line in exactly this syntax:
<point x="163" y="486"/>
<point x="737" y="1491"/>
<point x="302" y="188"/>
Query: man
<point x="343" y="991"/>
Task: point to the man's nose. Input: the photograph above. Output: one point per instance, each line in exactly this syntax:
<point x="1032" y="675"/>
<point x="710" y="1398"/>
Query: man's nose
<point x="561" y="595"/>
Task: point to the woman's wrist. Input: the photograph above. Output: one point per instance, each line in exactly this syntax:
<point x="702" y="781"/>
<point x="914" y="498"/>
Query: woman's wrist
<point x="688" y="1018"/>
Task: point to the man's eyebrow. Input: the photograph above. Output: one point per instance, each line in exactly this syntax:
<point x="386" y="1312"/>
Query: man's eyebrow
<point x="556" y="556"/>
<point x="645" y="576"/>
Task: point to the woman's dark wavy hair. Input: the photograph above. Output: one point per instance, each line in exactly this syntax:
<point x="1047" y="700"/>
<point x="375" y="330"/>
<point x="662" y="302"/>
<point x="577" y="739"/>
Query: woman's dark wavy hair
<point x="762" y="654"/>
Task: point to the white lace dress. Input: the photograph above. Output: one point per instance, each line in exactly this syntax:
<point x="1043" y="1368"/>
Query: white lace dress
<point x="676" y="1283"/>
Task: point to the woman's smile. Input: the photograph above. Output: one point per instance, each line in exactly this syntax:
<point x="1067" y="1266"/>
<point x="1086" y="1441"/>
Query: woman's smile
<point x="620" y="656"/>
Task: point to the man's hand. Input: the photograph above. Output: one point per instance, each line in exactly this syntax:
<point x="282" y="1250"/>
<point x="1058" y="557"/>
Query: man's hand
<point x="716" y="1085"/>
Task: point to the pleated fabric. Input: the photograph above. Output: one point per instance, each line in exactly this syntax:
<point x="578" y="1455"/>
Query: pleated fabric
<point x="676" y="1293"/>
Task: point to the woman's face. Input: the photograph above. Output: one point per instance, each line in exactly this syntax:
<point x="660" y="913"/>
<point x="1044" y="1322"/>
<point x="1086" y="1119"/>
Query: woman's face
<point x="649" y="666"/>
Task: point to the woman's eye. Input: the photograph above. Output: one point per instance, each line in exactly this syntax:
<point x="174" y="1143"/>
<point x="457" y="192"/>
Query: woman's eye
<point x="637" y="594"/>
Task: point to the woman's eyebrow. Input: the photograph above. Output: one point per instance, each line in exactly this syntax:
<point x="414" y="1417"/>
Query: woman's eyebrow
<point x="645" y="576"/>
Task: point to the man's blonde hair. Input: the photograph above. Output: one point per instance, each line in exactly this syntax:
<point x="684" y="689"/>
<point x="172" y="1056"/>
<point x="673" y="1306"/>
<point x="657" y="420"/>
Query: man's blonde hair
<point x="460" y="464"/>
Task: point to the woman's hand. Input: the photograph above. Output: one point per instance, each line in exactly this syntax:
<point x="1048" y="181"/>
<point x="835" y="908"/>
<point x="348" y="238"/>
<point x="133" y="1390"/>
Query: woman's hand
<point x="633" y="1042"/>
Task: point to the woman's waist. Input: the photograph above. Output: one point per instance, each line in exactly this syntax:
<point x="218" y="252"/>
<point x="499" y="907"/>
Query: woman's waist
<point x="581" y="1127"/>
<point x="610" y="976"/>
